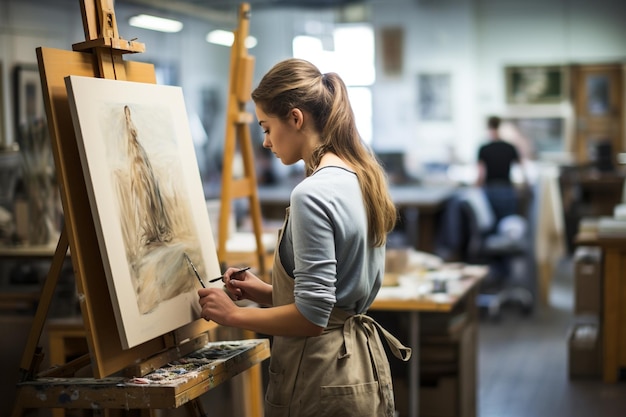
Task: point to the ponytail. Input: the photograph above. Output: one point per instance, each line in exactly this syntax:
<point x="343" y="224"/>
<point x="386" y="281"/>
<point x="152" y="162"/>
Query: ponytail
<point x="296" y="83"/>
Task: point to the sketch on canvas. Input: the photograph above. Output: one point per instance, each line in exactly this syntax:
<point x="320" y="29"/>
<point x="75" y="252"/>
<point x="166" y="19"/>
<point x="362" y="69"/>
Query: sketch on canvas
<point x="147" y="201"/>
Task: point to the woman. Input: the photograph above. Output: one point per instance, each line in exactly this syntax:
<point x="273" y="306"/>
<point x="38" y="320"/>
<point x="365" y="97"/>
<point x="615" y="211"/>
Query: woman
<point x="327" y="357"/>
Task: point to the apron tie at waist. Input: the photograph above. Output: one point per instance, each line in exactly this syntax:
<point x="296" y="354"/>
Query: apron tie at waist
<point x="397" y="348"/>
<point x="377" y="352"/>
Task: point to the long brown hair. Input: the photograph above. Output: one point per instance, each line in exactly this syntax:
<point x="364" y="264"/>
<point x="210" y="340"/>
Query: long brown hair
<point x="296" y="83"/>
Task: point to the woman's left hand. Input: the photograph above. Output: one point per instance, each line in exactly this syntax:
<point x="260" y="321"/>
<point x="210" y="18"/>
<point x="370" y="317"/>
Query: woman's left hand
<point x="217" y="306"/>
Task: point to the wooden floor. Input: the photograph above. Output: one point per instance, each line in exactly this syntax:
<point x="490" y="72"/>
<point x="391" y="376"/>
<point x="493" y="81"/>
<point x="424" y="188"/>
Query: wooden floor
<point x="523" y="364"/>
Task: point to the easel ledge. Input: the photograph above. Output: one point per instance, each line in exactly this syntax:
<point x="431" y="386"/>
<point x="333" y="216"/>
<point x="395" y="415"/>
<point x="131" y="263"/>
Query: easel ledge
<point x="121" y="393"/>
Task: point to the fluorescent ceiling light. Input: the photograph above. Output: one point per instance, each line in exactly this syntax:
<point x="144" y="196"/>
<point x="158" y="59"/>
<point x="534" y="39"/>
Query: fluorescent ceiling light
<point x="226" y="38"/>
<point x="160" y="24"/>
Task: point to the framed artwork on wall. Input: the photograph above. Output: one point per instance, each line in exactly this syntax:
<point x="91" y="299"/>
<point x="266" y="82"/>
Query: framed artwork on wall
<point x="146" y="200"/>
<point x="434" y="96"/>
<point x="539" y="84"/>
<point x="28" y="97"/>
<point x="392" y="50"/>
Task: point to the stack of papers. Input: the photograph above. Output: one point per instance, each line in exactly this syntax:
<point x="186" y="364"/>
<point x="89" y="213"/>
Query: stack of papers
<point x="612" y="227"/>
<point x="619" y="212"/>
<point x="588" y="225"/>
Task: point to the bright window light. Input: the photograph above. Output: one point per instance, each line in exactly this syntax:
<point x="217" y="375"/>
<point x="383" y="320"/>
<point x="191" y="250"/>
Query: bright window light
<point x="354" y="54"/>
<point x="352" y="58"/>
<point x="226" y="38"/>
<point x="361" y="100"/>
<point x="304" y="47"/>
<point x="159" y="24"/>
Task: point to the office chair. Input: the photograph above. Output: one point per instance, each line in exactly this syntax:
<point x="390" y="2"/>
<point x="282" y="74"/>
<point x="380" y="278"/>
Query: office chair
<point x="504" y="245"/>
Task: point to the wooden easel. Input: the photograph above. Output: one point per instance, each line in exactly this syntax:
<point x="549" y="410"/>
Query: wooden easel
<point x="101" y="56"/>
<point x="238" y="133"/>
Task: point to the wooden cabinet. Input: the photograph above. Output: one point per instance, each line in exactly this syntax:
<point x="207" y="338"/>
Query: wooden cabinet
<point x="598" y="101"/>
<point x="613" y="301"/>
<point x="614" y="308"/>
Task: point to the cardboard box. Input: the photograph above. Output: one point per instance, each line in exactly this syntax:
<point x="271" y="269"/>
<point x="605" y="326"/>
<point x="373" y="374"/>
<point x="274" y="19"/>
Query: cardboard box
<point x="585" y="351"/>
<point x="447" y="378"/>
<point x="396" y="260"/>
<point x="437" y="397"/>
<point x="587" y="280"/>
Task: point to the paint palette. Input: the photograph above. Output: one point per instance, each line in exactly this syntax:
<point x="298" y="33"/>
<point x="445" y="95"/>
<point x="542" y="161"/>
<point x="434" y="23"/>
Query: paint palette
<point x="194" y="364"/>
<point x="168" y="387"/>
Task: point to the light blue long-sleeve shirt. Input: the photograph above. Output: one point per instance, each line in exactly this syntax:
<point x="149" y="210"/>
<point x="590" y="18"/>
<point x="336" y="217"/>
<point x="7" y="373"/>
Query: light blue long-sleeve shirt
<point x="325" y="246"/>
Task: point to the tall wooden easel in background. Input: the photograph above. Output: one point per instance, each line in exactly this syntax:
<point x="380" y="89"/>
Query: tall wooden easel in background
<point x="238" y="138"/>
<point x="101" y="56"/>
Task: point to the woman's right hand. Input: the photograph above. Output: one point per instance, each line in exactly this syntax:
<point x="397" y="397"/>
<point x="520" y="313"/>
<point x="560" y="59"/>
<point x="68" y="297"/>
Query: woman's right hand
<point x="247" y="286"/>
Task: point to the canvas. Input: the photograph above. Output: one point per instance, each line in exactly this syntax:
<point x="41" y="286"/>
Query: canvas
<point x="147" y="201"/>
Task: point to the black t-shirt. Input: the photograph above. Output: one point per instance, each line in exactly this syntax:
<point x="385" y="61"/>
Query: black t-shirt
<point x="498" y="156"/>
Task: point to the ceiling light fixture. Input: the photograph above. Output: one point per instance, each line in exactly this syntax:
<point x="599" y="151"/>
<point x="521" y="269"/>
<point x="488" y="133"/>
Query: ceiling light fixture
<point x="160" y="24"/>
<point x="226" y="38"/>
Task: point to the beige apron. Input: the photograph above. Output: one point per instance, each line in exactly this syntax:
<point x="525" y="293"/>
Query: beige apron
<point x="343" y="372"/>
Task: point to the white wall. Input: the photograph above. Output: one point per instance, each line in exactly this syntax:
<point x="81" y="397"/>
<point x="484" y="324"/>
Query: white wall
<point x="543" y="32"/>
<point x="438" y="38"/>
<point x="472" y="40"/>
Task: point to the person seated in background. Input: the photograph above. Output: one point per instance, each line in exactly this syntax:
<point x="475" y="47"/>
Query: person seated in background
<point x="495" y="160"/>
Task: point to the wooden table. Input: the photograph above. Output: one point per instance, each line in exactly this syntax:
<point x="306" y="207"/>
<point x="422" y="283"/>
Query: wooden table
<point x="613" y="313"/>
<point x="419" y="207"/>
<point x="465" y="289"/>
<point x="614" y="309"/>
<point x="27" y="251"/>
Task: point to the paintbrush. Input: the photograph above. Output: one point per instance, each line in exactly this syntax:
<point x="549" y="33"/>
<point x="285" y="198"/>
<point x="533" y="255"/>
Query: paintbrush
<point x="195" y="271"/>
<point x="234" y="273"/>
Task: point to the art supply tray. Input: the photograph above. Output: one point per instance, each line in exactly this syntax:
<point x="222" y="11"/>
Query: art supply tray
<point x="168" y="387"/>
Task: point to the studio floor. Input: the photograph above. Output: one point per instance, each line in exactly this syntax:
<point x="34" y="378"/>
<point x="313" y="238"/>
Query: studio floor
<point x="523" y="364"/>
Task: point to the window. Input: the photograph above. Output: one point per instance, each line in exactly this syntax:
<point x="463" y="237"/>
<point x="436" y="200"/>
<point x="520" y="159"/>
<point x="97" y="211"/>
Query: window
<point x="351" y="55"/>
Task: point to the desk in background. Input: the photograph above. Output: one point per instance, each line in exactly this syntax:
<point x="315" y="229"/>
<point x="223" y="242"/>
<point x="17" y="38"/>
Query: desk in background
<point x="459" y="298"/>
<point x="613" y="310"/>
<point x="587" y="192"/>
<point x="419" y="208"/>
<point x="22" y="296"/>
<point x="27" y="251"/>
